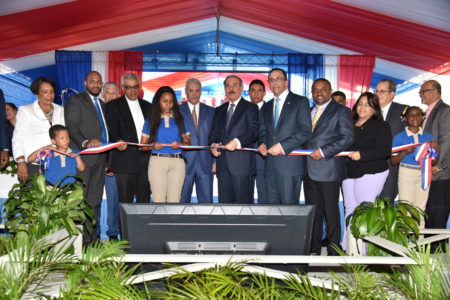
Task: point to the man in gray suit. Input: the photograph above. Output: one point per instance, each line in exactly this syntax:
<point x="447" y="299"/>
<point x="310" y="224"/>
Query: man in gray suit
<point x="284" y="125"/>
<point x="437" y="122"/>
<point x="85" y="120"/>
<point x="392" y="113"/>
<point x="332" y="133"/>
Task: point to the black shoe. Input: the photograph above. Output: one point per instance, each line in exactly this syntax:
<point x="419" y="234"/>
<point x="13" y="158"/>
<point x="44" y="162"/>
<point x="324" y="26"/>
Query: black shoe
<point x="113" y="238"/>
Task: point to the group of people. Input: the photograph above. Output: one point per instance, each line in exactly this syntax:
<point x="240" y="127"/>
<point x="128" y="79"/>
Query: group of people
<point x="167" y="171"/>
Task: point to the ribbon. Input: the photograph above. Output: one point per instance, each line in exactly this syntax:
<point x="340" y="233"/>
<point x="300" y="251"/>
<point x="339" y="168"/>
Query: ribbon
<point x="109" y="146"/>
<point x="43" y="158"/>
<point x="425" y="156"/>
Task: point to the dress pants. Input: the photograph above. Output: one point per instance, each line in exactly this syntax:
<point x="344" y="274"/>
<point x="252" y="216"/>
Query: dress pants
<point x="282" y="189"/>
<point x="94" y="179"/>
<point x="134" y="185"/>
<point x="112" y="200"/>
<point x="325" y="196"/>
<point x="390" y="188"/>
<point x="438" y="205"/>
<point x="235" y="189"/>
<point x="203" y="186"/>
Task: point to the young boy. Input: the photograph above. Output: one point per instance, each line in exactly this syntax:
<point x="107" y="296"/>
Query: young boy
<point x="56" y="165"/>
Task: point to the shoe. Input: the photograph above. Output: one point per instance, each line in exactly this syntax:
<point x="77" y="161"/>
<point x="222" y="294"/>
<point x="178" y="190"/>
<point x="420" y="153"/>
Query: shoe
<point x="113" y="238"/>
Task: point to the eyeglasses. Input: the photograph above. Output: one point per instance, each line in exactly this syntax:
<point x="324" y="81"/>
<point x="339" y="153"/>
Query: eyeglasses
<point x="232" y="85"/>
<point x="382" y="91"/>
<point x="271" y="80"/>
<point x="127" y="87"/>
<point x="424" y="91"/>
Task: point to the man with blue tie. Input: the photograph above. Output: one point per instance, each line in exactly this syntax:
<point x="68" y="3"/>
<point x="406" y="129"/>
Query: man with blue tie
<point x="332" y="133"/>
<point x="199" y="169"/>
<point x="86" y="123"/>
<point x="235" y="126"/>
<point x="285" y="125"/>
<point x="257" y="91"/>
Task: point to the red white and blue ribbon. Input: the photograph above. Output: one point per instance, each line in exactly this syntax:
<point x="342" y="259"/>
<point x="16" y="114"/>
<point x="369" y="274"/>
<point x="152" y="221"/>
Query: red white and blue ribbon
<point x="109" y="146"/>
<point x="425" y="156"/>
<point x="43" y="158"/>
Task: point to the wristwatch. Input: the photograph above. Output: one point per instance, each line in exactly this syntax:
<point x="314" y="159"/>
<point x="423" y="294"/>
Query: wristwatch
<point x="20" y="160"/>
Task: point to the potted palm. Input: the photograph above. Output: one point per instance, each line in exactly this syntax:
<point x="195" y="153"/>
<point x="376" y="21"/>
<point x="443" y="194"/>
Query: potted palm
<point x="396" y="222"/>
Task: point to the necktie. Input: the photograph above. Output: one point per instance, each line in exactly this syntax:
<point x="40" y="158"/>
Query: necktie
<point x="316" y="117"/>
<point x="100" y="117"/>
<point x="230" y="114"/>
<point x="194" y="117"/>
<point x="276" y="112"/>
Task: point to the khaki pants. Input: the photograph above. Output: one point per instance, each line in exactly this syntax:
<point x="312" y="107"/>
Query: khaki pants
<point x="409" y="182"/>
<point x="166" y="175"/>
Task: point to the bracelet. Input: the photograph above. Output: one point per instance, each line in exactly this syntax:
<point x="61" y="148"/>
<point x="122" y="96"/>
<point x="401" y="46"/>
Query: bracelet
<point x="20" y="160"/>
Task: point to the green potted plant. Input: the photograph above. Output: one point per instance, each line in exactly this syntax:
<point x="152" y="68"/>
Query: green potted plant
<point x="396" y="222"/>
<point x="33" y="208"/>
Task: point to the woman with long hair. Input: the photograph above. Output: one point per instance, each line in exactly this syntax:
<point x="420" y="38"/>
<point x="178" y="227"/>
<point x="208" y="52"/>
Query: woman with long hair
<point x="165" y="131"/>
<point x="367" y="167"/>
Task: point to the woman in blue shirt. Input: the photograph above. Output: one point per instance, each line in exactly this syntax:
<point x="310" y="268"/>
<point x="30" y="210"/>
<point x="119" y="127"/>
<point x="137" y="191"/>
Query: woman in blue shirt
<point x="165" y="131"/>
<point x="410" y="175"/>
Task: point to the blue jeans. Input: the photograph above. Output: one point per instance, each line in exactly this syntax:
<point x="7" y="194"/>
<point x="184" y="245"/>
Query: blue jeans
<point x="112" y="196"/>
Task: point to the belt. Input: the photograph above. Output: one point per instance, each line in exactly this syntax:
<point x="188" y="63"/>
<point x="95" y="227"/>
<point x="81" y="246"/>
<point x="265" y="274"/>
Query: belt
<point x="173" y="155"/>
<point x="409" y="166"/>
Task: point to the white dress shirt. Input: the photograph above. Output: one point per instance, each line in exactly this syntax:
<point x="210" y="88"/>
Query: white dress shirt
<point x="31" y="130"/>
<point x="138" y="117"/>
<point x="385" y="110"/>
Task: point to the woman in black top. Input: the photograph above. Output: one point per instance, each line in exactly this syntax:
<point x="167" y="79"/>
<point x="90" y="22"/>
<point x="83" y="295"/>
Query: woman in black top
<point x="367" y="167"/>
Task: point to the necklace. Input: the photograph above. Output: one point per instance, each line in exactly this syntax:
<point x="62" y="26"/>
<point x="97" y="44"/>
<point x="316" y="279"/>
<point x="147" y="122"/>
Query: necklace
<point x="49" y="115"/>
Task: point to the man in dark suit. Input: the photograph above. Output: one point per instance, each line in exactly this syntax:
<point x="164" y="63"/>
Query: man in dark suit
<point x="437" y="122"/>
<point x="126" y="116"/>
<point x="4" y="138"/>
<point x="285" y="125"/>
<point x="392" y="113"/>
<point x="332" y="133"/>
<point x="235" y="126"/>
<point x="199" y="169"/>
<point x="84" y="116"/>
<point x="257" y="91"/>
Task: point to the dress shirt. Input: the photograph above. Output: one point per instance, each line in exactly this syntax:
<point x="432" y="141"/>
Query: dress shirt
<point x="385" y="110"/>
<point x="103" y="117"/>
<point x="239" y="146"/>
<point x="282" y="98"/>
<point x="313" y="113"/>
<point x="31" y="130"/>
<point x="260" y="104"/>
<point x="428" y="112"/>
<point x="136" y="113"/>
<point x="197" y="108"/>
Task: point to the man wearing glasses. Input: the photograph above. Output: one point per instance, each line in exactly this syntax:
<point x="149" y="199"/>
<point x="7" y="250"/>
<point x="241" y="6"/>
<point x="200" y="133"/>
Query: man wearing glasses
<point x="392" y="113"/>
<point x="437" y="122"/>
<point x="285" y="125"/>
<point x="126" y="116"/>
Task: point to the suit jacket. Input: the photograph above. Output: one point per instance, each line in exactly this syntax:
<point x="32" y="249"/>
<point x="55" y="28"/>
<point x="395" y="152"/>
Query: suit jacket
<point x="394" y="117"/>
<point x="83" y="123"/>
<point x="438" y="124"/>
<point x="5" y="143"/>
<point x="293" y="130"/>
<point x="243" y="126"/>
<point x="199" y="137"/>
<point x="333" y="133"/>
<point x="121" y="127"/>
